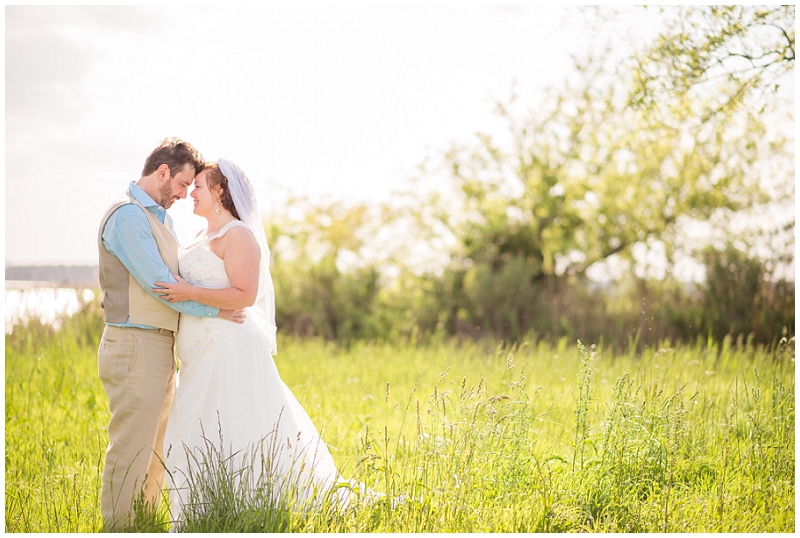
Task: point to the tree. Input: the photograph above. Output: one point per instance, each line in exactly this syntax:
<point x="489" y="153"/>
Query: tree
<point x="584" y="178"/>
<point x="597" y="170"/>
<point x="330" y="263"/>
<point x="587" y="177"/>
<point x="615" y="162"/>
<point x="715" y="61"/>
<point x="726" y="54"/>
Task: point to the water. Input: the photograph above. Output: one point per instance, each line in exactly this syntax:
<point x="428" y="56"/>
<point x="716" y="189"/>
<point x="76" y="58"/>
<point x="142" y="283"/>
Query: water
<point x="25" y="301"/>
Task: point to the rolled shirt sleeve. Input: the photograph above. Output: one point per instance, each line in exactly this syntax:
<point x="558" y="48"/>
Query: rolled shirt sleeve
<point x="127" y="235"/>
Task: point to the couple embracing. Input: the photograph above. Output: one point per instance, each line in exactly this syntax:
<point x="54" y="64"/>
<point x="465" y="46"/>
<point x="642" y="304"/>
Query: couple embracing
<point x="211" y="304"/>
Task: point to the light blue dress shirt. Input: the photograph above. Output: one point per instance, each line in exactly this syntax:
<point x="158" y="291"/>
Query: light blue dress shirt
<point x="127" y="236"/>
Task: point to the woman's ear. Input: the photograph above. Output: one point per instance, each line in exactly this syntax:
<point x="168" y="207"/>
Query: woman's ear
<point x="217" y="192"/>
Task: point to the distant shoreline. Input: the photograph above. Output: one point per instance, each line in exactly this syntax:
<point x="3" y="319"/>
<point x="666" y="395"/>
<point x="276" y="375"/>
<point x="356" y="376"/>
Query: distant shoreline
<point x="39" y="284"/>
<point x="52" y="276"/>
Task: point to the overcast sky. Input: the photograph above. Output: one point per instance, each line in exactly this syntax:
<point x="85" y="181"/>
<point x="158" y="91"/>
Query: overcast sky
<point x="329" y="102"/>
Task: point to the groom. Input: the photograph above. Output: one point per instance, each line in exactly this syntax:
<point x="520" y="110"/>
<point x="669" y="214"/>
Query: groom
<point x="136" y="363"/>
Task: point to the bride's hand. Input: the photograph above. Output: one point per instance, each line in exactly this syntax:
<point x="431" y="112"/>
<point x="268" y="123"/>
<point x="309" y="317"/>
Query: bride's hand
<point x="174" y="293"/>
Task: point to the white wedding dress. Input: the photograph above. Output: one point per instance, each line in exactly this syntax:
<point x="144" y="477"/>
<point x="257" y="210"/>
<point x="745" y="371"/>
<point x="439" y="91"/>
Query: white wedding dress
<point x="230" y="395"/>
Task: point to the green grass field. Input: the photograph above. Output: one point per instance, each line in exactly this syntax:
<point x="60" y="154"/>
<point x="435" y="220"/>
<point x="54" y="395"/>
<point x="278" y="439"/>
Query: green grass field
<point x="480" y="437"/>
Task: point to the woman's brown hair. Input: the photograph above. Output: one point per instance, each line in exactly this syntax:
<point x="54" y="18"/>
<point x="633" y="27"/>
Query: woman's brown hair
<point x="216" y="177"/>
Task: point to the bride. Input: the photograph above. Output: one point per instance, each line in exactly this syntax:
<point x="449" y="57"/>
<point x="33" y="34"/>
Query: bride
<point x="231" y="404"/>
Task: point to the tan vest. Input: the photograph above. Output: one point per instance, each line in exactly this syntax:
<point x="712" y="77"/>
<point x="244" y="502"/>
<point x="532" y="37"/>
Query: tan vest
<point x="123" y="297"/>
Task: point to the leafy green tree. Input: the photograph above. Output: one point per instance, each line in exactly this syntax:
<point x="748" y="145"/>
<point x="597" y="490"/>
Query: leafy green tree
<point x="739" y="300"/>
<point x="585" y="177"/>
<point x="598" y="170"/>
<point x="724" y="54"/>
<point x="614" y="162"/>
<point x="325" y="286"/>
<point x="730" y="291"/>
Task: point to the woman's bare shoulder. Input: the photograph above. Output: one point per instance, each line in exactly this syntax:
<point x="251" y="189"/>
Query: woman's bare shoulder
<point x="240" y="237"/>
<point x="240" y="233"/>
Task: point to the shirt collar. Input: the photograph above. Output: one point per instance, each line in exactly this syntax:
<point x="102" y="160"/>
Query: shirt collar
<point x="144" y="199"/>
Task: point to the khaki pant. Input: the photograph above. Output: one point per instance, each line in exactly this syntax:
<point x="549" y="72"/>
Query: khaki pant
<point x="137" y="368"/>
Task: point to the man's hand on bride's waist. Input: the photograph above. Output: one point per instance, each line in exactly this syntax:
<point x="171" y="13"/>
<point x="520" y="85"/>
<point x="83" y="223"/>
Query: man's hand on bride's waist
<point x="236" y="316"/>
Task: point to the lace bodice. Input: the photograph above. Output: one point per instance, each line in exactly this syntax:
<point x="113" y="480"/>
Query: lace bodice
<point x="199" y="266"/>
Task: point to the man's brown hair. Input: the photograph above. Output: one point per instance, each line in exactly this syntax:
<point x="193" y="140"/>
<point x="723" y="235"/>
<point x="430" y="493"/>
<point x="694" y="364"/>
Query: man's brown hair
<point x="176" y="154"/>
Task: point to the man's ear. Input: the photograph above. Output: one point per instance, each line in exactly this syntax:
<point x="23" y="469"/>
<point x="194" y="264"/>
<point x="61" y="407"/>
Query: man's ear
<point x="162" y="172"/>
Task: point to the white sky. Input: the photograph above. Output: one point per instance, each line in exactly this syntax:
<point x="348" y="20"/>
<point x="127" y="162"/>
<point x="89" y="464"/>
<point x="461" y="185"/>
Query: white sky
<point x="329" y="102"/>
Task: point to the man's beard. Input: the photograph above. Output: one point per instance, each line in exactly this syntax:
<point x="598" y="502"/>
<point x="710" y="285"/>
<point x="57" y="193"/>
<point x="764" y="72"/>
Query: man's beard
<point x="167" y="198"/>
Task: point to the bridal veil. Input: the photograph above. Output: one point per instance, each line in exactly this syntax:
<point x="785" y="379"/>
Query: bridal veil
<point x="244" y="199"/>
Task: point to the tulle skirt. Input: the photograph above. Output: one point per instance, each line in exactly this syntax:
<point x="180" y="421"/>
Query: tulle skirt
<point x="234" y="419"/>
